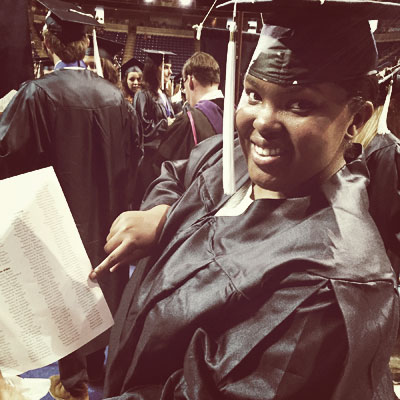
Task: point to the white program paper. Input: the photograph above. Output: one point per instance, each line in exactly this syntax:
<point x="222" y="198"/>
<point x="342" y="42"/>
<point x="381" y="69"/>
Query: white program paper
<point x="48" y="306"/>
<point x="6" y="99"/>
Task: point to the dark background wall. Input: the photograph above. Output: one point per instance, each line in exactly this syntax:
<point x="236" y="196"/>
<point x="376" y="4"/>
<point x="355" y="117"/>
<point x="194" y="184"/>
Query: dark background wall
<point x="15" y="45"/>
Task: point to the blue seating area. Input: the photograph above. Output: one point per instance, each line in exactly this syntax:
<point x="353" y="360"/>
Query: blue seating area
<point x="119" y="37"/>
<point x="115" y="36"/>
<point x="182" y="47"/>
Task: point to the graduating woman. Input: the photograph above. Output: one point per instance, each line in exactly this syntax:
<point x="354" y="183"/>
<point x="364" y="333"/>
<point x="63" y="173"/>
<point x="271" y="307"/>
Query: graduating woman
<point x="153" y="109"/>
<point x="282" y="290"/>
<point x="152" y="105"/>
<point x="132" y="72"/>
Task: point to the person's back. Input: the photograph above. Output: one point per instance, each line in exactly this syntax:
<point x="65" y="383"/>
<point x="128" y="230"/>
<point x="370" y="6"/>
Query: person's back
<point x="80" y="124"/>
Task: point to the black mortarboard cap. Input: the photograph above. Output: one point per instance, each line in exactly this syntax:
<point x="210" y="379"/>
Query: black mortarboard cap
<point x="67" y="21"/>
<point x="305" y="42"/>
<point x="131" y="63"/>
<point x="107" y="48"/>
<point x="309" y="41"/>
<point x="158" y="56"/>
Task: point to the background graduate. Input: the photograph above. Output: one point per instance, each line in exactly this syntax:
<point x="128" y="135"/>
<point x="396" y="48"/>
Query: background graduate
<point x="199" y="120"/>
<point x="131" y="73"/>
<point x="154" y="111"/>
<point x="92" y="142"/>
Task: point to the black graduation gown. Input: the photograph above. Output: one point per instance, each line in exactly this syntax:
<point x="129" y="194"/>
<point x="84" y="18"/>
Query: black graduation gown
<point x="80" y="124"/>
<point x="383" y="160"/>
<point x="152" y="116"/>
<point x="294" y="299"/>
<point x="153" y="119"/>
<point x="179" y="141"/>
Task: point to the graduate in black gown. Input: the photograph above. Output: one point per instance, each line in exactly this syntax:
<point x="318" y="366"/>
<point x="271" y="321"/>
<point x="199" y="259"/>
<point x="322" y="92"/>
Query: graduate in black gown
<point x="382" y="154"/>
<point x="79" y="123"/>
<point x="131" y="72"/>
<point x="383" y="160"/>
<point x="283" y="290"/>
<point x="200" y="119"/>
<point x="151" y="103"/>
<point x="154" y="110"/>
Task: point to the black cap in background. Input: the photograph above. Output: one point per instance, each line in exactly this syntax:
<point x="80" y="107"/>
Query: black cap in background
<point x="107" y="48"/>
<point x="67" y="21"/>
<point x="131" y="63"/>
<point x="159" y="56"/>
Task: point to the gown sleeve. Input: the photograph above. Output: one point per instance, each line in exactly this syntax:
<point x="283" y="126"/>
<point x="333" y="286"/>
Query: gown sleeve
<point x="25" y="128"/>
<point x="176" y="176"/>
<point x="168" y="187"/>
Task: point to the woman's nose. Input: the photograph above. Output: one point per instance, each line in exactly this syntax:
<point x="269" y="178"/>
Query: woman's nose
<point x="266" y="119"/>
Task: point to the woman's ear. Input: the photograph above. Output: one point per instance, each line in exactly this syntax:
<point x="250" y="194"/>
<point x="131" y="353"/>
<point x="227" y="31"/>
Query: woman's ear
<point x="363" y="114"/>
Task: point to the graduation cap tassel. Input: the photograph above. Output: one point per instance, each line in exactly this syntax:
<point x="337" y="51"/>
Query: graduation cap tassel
<point x="200" y="26"/>
<point x="96" y="55"/>
<point x="162" y="73"/>
<point x="228" y="177"/>
<point x="382" y="123"/>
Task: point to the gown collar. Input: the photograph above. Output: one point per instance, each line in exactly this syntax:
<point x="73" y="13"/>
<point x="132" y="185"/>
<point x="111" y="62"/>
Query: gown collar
<point x="74" y="65"/>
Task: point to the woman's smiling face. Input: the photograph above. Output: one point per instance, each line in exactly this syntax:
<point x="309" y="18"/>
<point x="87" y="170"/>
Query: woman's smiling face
<point x="292" y="136"/>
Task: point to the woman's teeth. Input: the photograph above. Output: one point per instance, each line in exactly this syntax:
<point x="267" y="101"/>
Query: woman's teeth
<point x="266" y="152"/>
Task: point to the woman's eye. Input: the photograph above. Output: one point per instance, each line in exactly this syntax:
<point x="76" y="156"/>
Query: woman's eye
<point x="253" y="97"/>
<point x="301" y="106"/>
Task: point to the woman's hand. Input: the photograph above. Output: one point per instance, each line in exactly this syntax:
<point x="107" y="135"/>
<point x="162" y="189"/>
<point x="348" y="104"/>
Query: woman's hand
<point x="132" y="236"/>
<point x="9" y="392"/>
